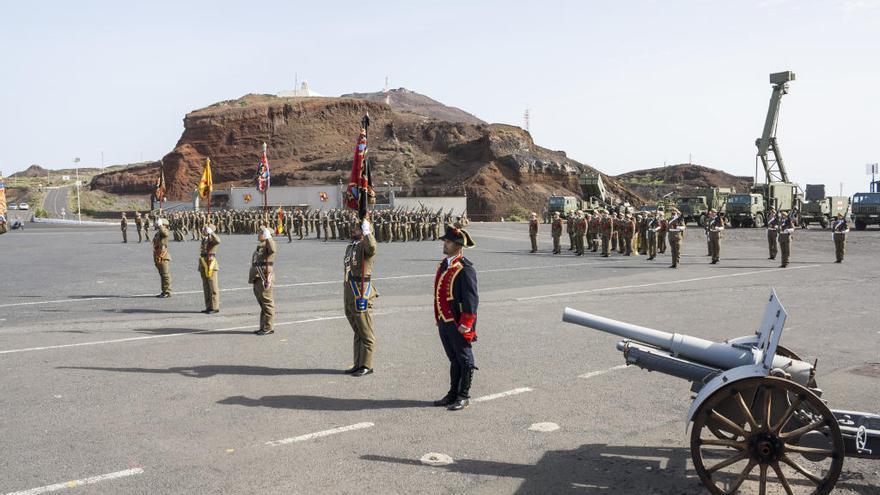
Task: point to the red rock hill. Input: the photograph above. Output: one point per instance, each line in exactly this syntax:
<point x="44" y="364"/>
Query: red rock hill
<point x="311" y="141"/>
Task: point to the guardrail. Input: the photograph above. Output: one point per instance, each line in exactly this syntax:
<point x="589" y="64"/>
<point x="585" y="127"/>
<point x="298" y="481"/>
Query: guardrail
<point x="60" y="221"/>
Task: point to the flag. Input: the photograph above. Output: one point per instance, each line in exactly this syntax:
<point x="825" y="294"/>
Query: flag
<point x="206" y="185"/>
<point x="263" y="172"/>
<point x="159" y="189"/>
<point x="360" y="190"/>
<point x="279" y="224"/>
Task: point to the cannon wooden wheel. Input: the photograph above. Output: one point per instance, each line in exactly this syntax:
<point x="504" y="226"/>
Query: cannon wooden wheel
<point x="766" y="435"/>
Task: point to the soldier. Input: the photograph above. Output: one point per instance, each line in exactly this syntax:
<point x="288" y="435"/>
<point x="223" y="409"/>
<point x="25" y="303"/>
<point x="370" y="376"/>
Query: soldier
<point x="714" y="228"/>
<point x="161" y="257"/>
<point x="676" y="228"/>
<point x="124" y="226"/>
<point x="358" y="294"/>
<point x="288" y="225"/>
<point x="652" y="228"/>
<point x="620" y="233"/>
<point x="839" y="229"/>
<point x="786" y="230"/>
<point x="628" y="232"/>
<point x="594" y="231"/>
<point x="606" y="231"/>
<point x="146" y="219"/>
<point x="772" y="232"/>
<point x="139" y="225"/>
<point x="533" y="232"/>
<point x="642" y="226"/>
<point x="455" y="311"/>
<point x="298" y="221"/>
<point x="325" y="224"/>
<point x="580" y="230"/>
<point x="262" y="276"/>
<point x="332" y="220"/>
<point x="208" y="269"/>
<point x="661" y="233"/>
<point x="556" y="232"/>
<point x="569" y="229"/>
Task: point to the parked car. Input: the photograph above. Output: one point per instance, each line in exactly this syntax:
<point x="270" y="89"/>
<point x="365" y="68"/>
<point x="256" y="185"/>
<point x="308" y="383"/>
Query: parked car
<point x="23" y="206"/>
<point x="13" y="206"/>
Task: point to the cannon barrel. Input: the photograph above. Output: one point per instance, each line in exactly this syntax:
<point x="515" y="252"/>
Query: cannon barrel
<point x="714" y="354"/>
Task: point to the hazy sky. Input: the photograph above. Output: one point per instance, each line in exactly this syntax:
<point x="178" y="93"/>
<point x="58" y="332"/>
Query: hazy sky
<point x="621" y="85"/>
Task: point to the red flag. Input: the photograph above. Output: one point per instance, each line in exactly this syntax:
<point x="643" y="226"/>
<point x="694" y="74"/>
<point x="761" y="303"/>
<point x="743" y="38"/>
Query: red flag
<point x="359" y="187"/>
<point x="263" y="173"/>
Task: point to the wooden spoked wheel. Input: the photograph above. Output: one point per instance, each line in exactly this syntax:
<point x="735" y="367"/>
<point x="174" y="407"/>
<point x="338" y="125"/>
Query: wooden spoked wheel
<point x="766" y="435"/>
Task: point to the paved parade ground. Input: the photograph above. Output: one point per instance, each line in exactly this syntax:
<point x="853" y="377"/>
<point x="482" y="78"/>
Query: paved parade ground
<point x="103" y="384"/>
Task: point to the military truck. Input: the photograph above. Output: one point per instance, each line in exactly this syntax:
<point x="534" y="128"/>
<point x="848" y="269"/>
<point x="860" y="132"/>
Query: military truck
<point x="696" y="208"/>
<point x="819" y="208"/>
<point x="866" y="209"/>
<point x="563" y="204"/>
<point x="749" y="210"/>
<point x="776" y="191"/>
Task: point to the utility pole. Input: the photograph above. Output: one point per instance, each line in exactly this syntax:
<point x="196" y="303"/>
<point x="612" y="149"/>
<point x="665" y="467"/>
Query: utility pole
<point x="78" y="212"/>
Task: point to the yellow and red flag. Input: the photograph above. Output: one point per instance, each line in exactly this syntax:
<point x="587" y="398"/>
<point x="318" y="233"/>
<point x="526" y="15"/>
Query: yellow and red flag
<point x="279" y="223"/>
<point x="206" y="185"/>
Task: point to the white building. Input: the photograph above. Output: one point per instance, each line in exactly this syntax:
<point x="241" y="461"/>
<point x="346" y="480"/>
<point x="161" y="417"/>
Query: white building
<point x="302" y="92"/>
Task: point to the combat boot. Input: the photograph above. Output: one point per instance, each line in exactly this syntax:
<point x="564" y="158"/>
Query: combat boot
<point x="464" y="388"/>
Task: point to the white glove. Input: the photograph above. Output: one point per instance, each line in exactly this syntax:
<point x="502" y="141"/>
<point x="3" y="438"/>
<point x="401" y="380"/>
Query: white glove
<point x="366" y="229"/>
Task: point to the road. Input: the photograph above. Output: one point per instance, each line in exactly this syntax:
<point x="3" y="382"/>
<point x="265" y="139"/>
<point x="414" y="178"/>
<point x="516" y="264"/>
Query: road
<point x="55" y="201"/>
<point x="104" y="384"/>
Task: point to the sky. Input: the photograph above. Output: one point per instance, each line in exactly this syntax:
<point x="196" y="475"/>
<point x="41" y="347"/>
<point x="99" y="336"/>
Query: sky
<point x="620" y="85"/>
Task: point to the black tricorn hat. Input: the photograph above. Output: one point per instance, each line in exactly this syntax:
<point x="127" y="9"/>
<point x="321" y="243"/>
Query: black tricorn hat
<point x="458" y="236"/>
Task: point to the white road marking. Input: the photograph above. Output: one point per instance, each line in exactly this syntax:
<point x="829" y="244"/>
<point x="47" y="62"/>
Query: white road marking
<point x="178" y="334"/>
<point x="319" y="434"/>
<point x="602" y="372"/>
<point x="76" y="483"/>
<point x="667" y="282"/>
<point x="544" y="427"/>
<point x="302" y="284"/>
<point x="499" y="395"/>
<point x="436" y="459"/>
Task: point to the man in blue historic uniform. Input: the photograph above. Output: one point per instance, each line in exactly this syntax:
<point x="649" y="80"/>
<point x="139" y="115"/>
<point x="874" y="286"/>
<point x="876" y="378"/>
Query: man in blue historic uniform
<point x="455" y="311"/>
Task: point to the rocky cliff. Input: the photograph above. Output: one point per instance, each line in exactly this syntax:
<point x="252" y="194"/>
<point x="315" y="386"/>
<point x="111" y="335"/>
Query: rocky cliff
<point x="311" y="140"/>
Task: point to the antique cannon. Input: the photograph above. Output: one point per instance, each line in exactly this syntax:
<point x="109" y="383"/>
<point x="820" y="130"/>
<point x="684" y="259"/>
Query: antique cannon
<point x="758" y="422"/>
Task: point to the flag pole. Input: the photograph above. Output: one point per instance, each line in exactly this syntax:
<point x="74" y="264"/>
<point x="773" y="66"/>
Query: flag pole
<point x="364" y="204"/>
<point x="210" y="186"/>
<point x="266" y="187"/>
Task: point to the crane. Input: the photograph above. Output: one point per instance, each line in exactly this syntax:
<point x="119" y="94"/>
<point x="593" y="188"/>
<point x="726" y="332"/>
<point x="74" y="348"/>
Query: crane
<point x="768" y="148"/>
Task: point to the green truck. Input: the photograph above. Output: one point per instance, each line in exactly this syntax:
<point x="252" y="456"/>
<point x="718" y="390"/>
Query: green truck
<point x="866" y="209"/>
<point x="750" y="210"/>
<point x="563" y="204"/>
<point x="819" y="208"/>
<point x="696" y="208"/>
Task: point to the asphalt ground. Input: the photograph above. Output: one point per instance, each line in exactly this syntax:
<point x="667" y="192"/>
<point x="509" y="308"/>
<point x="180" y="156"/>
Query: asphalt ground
<point x="56" y="200"/>
<point x="104" y="385"/>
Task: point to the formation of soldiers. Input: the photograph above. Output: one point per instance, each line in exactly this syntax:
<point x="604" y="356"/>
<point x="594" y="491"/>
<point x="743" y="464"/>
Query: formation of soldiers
<point x="400" y="225"/>
<point x="603" y="231"/>
<point x="648" y="233"/>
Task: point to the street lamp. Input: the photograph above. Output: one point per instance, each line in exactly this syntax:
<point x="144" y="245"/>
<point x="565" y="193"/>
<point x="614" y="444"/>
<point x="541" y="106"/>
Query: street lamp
<point x="78" y="211"/>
